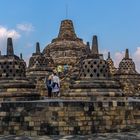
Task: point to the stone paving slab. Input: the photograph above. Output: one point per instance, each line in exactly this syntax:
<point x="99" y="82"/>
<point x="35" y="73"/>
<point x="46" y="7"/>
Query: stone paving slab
<point x="105" y="136"/>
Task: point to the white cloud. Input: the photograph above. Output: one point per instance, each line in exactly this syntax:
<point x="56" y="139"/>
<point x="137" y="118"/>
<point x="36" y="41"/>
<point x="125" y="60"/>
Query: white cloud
<point x="5" y="33"/>
<point x="137" y="54"/>
<point x="26" y="59"/>
<point x="26" y="27"/>
<point x="118" y="56"/>
<point x="105" y="53"/>
<point x="136" y="57"/>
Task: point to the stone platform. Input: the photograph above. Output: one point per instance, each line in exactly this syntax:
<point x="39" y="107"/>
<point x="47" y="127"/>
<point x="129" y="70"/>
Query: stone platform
<point x="65" y="117"/>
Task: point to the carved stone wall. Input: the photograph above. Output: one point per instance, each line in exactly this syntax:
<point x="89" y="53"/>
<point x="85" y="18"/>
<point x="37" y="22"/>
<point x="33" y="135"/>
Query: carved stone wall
<point x="12" y="66"/>
<point x="35" y="118"/>
<point x="94" y="68"/>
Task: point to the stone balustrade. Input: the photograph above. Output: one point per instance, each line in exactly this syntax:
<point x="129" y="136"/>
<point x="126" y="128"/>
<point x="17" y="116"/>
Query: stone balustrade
<point x="62" y="117"/>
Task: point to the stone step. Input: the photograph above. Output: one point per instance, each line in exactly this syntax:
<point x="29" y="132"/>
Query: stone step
<point x="94" y="85"/>
<point x="95" y="90"/>
<point x="18" y="94"/>
<point x="105" y="93"/>
<point x="17" y="89"/>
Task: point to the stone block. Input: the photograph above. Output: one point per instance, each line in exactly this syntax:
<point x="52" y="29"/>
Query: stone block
<point x="82" y="128"/>
<point x="60" y="128"/>
<point x="105" y="104"/>
<point x="66" y="128"/>
<point x="106" y="117"/>
<point x="88" y="128"/>
<point x="80" y="124"/>
<point x="86" y="108"/>
<point x="31" y="123"/>
<point x="16" y="127"/>
<point x="122" y="126"/>
<point x="88" y="118"/>
<point x="6" y="133"/>
<point x="3" y="114"/>
<point x="79" y="113"/>
<point x="109" y="122"/>
<point x="107" y="127"/>
<point x="62" y="133"/>
<point x="62" y="123"/>
<point x="12" y="89"/>
<point x="27" y="133"/>
<point x="82" y="118"/>
<point x="114" y="103"/>
<point x="20" y="132"/>
<point x="19" y="109"/>
<point x="113" y="108"/>
<point x="100" y="113"/>
<point x="71" y="128"/>
<point x="90" y="123"/>
<point x="55" y="123"/>
<point x="27" y="119"/>
<point x="37" y="128"/>
<point x="61" y="113"/>
<point x="33" y="133"/>
<point x="85" y="122"/>
<point x="37" y="123"/>
<point x="137" y="121"/>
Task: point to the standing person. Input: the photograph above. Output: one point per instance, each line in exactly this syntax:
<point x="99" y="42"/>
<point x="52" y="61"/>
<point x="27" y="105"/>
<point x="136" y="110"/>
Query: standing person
<point x="65" y="69"/>
<point x="59" y="70"/>
<point x="49" y="85"/>
<point x="55" y="85"/>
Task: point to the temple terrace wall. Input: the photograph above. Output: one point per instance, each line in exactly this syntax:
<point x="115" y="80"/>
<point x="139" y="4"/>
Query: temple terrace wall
<point x="59" y="117"/>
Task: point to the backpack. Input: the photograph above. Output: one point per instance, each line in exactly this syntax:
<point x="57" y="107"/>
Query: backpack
<point x="49" y="83"/>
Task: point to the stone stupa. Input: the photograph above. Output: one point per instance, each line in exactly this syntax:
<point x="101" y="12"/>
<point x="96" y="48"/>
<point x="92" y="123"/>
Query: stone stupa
<point x="94" y="80"/>
<point x="128" y="76"/>
<point x="13" y="82"/>
<point x="67" y="48"/>
<point x="112" y="69"/>
<point x="39" y="65"/>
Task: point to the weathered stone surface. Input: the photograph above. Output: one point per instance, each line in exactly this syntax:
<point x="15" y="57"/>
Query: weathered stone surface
<point x="111" y="67"/>
<point x="60" y="117"/>
<point x="95" y="78"/>
<point x="39" y="65"/>
<point x="13" y="82"/>
<point x="128" y="76"/>
<point x="67" y="48"/>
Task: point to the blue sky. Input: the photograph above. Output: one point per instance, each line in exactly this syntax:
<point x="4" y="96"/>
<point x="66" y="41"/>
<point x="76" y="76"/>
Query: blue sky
<point x="115" y="22"/>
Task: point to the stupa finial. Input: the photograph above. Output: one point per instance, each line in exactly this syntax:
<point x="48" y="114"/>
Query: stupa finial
<point x="10" y="50"/>
<point x="20" y="55"/>
<point x="95" y="45"/>
<point x="108" y="55"/>
<point x="67" y="30"/>
<point x="127" y="54"/>
<point x="37" y="48"/>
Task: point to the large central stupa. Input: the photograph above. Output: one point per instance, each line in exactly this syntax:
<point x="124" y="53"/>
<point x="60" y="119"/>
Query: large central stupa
<point x="67" y="48"/>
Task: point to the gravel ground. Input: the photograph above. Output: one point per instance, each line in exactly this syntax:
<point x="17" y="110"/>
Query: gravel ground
<point x="105" y="136"/>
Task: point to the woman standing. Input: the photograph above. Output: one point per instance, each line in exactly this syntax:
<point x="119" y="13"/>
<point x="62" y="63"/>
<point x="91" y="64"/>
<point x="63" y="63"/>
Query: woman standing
<point x="55" y="85"/>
